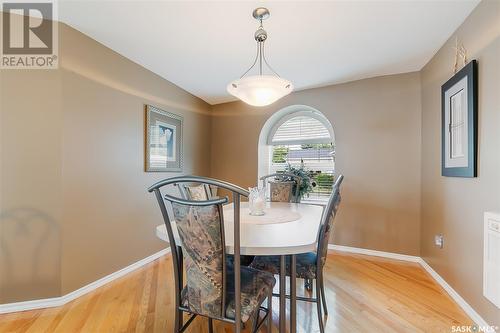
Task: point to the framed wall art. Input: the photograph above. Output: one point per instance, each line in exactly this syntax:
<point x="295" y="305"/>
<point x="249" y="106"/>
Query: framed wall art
<point x="163" y="141"/>
<point x="459" y="110"/>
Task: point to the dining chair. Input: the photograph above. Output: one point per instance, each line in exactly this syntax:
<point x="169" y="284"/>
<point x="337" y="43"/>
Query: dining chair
<point x="202" y="192"/>
<point x="214" y="289"/>
<point x="310" y="265"/>
<point x="284" y="186"/>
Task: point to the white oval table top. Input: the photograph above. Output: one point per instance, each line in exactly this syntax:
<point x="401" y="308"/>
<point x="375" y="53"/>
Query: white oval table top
<point x="278" y="214"/>
<point x="260" y="235"/>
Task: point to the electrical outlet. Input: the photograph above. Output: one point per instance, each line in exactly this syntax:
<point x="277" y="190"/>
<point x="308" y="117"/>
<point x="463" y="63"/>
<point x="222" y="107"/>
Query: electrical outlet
<point x="439" y="241"/>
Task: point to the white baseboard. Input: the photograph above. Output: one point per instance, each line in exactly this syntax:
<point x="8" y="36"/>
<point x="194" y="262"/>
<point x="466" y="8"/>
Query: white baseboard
<point x="453" y="294"/>
<point x="375" y="253"/>
<point x="58" y="301"/>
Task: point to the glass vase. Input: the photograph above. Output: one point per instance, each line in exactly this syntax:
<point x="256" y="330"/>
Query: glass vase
<point x="257" y="200"/>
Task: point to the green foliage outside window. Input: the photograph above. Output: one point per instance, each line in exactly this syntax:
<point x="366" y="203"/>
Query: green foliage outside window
<point x="279" y="154"/>
<point x="316" y="146"/>
<point x="324" y="181"/>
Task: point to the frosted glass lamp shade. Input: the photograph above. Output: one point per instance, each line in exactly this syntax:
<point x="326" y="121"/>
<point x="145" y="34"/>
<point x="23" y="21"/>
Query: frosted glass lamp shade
<point x="260" y="90"/>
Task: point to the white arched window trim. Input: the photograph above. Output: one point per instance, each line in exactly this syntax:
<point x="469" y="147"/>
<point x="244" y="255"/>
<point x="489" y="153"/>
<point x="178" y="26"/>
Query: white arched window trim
<point x="272" y="125"/>
<point x="302" y="113"/>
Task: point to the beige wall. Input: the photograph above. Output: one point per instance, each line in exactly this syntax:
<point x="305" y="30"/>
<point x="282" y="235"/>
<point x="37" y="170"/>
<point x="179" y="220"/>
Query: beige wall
<point x="377" y="130"/>
<point x="72" y="153"/>
<point x="455" y="206"/>
<point x="30" y="184"/>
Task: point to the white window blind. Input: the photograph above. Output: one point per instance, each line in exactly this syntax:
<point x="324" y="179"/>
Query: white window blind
<point x="301" y="129"/>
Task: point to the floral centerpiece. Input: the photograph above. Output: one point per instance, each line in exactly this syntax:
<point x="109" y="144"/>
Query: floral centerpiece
<point x="307" y="183"/>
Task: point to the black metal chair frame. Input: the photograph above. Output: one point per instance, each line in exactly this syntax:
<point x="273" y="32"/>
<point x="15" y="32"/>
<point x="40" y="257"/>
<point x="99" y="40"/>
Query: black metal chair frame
<point x="177" y="258"/>
<point x="320" y="287"/>
<point x="283" y="176"/>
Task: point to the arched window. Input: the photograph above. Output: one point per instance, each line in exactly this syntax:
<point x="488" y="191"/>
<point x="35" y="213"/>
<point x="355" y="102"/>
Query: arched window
<point x="302" y="137"/>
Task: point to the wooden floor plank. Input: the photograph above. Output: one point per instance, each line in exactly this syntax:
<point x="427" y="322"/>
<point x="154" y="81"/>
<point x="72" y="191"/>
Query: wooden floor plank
<point x="364" y="294"/>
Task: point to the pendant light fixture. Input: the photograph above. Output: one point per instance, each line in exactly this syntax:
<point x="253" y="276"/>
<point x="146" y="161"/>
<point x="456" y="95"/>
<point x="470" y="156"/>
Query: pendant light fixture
<point x="262" y="89"/>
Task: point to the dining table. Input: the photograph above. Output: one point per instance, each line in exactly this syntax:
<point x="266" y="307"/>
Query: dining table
<point x="285" y="229"/>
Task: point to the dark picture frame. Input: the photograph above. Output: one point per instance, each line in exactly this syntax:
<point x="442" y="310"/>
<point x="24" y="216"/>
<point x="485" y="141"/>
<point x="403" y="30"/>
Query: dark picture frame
<point x="459" y="119"/>
<point x="163" y="141"/>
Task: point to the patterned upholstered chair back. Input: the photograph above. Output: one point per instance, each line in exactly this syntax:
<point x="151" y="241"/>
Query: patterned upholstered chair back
<point x="283" y="187"/>
<point x="201" y="230"/>
<point x="281" y="191"/>
<point x="327" y="223"/>
<point x="199" y="192"/>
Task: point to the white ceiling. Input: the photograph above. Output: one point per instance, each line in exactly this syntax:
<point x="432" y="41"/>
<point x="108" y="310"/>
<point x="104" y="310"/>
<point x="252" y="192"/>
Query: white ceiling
<point x="201" y="46"/>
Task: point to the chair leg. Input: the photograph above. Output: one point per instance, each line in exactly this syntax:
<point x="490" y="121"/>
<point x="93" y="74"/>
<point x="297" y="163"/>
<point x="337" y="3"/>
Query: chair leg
<point x="176" y="321"/>
<point x="210" y="325"/>
<point x="318" y="304"/>
<point x="180" y="319"/>
<point x="270" y="312"/>
<point x="256" y="321"/>
<point x="323" y="296"/>
<point x="180" y="314"/>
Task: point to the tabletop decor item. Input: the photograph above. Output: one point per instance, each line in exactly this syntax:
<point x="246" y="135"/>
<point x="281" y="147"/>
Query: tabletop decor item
<point x="307" y="183"/>
<point x="257" y="200"/>
<point x="163" y="140"/>
<point x="459" y="101"/>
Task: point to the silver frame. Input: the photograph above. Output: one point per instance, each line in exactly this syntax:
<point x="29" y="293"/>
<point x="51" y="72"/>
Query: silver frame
<point x="147" y="166"/>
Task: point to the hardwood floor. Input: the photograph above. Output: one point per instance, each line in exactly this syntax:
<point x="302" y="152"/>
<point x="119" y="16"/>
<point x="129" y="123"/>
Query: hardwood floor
<point x="364" y="294"/>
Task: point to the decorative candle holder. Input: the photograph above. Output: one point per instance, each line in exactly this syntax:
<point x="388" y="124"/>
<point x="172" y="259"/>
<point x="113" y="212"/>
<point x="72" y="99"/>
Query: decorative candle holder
<point x="257" y="200"/>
